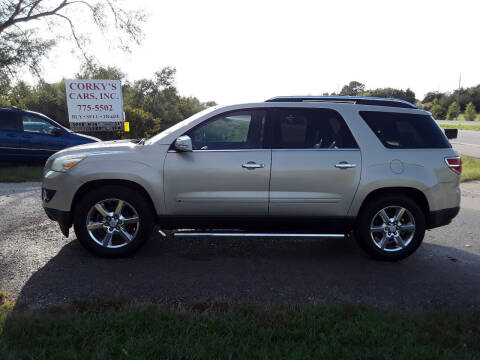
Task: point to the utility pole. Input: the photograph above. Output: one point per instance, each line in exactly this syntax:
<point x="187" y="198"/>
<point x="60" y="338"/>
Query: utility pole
<point x="458" y="93"/>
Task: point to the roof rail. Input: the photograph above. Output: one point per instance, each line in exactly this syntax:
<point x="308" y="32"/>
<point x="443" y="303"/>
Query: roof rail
<point x="346" y="99"/>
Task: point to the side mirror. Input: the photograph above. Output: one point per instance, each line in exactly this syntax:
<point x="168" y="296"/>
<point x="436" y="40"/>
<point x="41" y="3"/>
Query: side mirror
<point x="183" y="143"/>
<point x="451" y="133"/>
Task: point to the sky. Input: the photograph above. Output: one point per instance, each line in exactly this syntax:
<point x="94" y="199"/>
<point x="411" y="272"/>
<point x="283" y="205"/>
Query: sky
<point x="248" y="51"/>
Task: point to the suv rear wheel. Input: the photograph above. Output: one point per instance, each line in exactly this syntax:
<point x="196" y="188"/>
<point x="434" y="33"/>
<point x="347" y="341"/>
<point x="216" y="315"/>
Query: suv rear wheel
<point x="391" y="227"/>
<point x="113" y="221"/>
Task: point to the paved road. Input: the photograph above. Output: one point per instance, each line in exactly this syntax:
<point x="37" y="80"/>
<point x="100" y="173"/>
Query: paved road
<point x="455" y="122"/>
<point x="41" y="267"/>
<point x="467" y="143"/>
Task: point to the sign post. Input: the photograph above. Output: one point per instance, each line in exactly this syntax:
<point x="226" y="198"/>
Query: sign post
<point x="95" y="105"/>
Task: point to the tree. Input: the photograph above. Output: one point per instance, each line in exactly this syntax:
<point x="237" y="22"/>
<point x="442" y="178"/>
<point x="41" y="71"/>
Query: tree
<point x="354" y="88"/>
<point x="151" y="105"/>
<point x="453" y="111"/>
<point x="141" y="122"/>
<point x="20" y="42"/>
<point x="470" y="112"/>
<point x="437" y="110"/>
<point x="91" y="70"/>
<point x="407" y="95"/>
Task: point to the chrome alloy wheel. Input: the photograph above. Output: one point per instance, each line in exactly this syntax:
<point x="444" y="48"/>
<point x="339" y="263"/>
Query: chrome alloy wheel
<point x="112" y="223"/>
<point x="392" y="228"/>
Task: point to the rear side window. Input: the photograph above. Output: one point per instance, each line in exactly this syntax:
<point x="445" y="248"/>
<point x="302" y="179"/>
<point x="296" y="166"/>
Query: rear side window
<point x="310" y="129"/>
<point x="8" y="121"/>
<point x="405" y="131"/>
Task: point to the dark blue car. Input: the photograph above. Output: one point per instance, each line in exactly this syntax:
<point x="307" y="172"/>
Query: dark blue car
<point x="30" y="136"/>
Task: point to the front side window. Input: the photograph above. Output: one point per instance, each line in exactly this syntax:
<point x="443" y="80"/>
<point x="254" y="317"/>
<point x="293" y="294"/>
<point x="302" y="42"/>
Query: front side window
<point x="234" y="130"/>
<point x="8" y="121"/>
<point x="37" y="125"/>
<point x="404" y="130"/>
<point x="311" y="129"/>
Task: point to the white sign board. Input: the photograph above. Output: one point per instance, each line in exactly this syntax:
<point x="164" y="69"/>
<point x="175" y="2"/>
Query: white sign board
<point x="94" y="105"/>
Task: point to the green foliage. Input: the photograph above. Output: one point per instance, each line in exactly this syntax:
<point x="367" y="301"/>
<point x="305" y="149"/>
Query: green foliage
<point x="354" y="88"/>
<point x="437" y="110"/>
<point x="453" y="111"/>
<point x="236" y="331"/>
<point x="407" y="95"/>
<point x="22" y="46"/>
<point x="48" y="99"/>
<point x="91" y="70"/>
<point x="461" y="96"/>
<point x="470" y="168"/>
<point x="470" y="112"/>
<point x="151" y="105"/>
<point x="141" y="122"/>
<point x="20" y="173"/>
<point x="460" y="127"/>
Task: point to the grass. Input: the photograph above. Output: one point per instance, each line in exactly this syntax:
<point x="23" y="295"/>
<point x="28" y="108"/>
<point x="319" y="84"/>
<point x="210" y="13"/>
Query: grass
<point x="20" y="173"/>
<point x="470" y="168"/>
<point x="221" y="330"/>
<point x="461" y="117"/>
<point x="460" y="127"/>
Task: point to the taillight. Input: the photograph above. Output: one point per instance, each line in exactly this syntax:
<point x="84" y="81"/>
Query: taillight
<point x="454" y="163"/>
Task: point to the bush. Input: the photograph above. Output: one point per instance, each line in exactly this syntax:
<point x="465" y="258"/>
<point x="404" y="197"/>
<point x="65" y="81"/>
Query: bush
<point x="453" y="111"/>
<point x="470" y="112"/>
<point x="437" y="110"/>
<point x="140" y="122"/>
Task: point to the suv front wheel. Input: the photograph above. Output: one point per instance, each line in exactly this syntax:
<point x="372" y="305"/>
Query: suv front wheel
<point x="390" y="227"/>
<point x="113" y="221"/>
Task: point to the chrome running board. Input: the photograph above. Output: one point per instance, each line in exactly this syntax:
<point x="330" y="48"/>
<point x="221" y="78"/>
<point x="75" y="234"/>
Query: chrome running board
<point x="260" y="235"/>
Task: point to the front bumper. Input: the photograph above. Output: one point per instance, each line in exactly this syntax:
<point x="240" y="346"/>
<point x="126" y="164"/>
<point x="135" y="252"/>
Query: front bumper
<point x="63" y="218"/>
<point x="57" y="192"/>
<point x="441" y="217"/>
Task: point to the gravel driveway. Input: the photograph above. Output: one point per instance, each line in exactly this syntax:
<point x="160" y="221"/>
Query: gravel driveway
<point x="40" y="266"/>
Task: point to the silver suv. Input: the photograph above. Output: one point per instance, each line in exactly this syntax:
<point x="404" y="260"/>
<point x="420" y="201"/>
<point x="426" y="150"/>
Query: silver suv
<point x="378" y="169"/>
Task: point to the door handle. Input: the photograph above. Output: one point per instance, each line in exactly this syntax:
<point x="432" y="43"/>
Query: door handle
<point x="11" y="135"/>
<point x="344" y="165"/>
<point x="27" y="136"/>
<point x="252" y="165"/>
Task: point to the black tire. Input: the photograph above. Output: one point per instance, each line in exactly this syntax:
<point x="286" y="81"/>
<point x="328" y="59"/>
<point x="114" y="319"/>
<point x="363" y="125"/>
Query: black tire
<point x="132" y="199"/>
<point x="368" y="214"/>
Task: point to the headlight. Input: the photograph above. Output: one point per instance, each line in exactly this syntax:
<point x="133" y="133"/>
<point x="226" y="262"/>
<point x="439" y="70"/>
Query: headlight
<point x="63" y="163"/>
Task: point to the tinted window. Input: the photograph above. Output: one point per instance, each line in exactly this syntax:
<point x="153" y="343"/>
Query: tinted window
<point x="35" y="124"/>
<point x="236" y="130"/>
<point x="310" y="129"/>
<point x="405" y="131"/>
<point x="8" y="121"/>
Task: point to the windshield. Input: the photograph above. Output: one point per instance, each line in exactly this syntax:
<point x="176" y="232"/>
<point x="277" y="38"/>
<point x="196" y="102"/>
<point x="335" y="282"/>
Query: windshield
<point x="179" y="125"/>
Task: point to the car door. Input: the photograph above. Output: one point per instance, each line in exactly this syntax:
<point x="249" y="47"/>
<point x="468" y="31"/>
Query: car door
<point x="316" y="163"/>
<point x="228" y="171"/>
<point x="9" y="134"/>
<point x="40" y="137"/>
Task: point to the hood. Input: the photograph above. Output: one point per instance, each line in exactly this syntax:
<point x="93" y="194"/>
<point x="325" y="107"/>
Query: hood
<point x="102" y="147"/>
